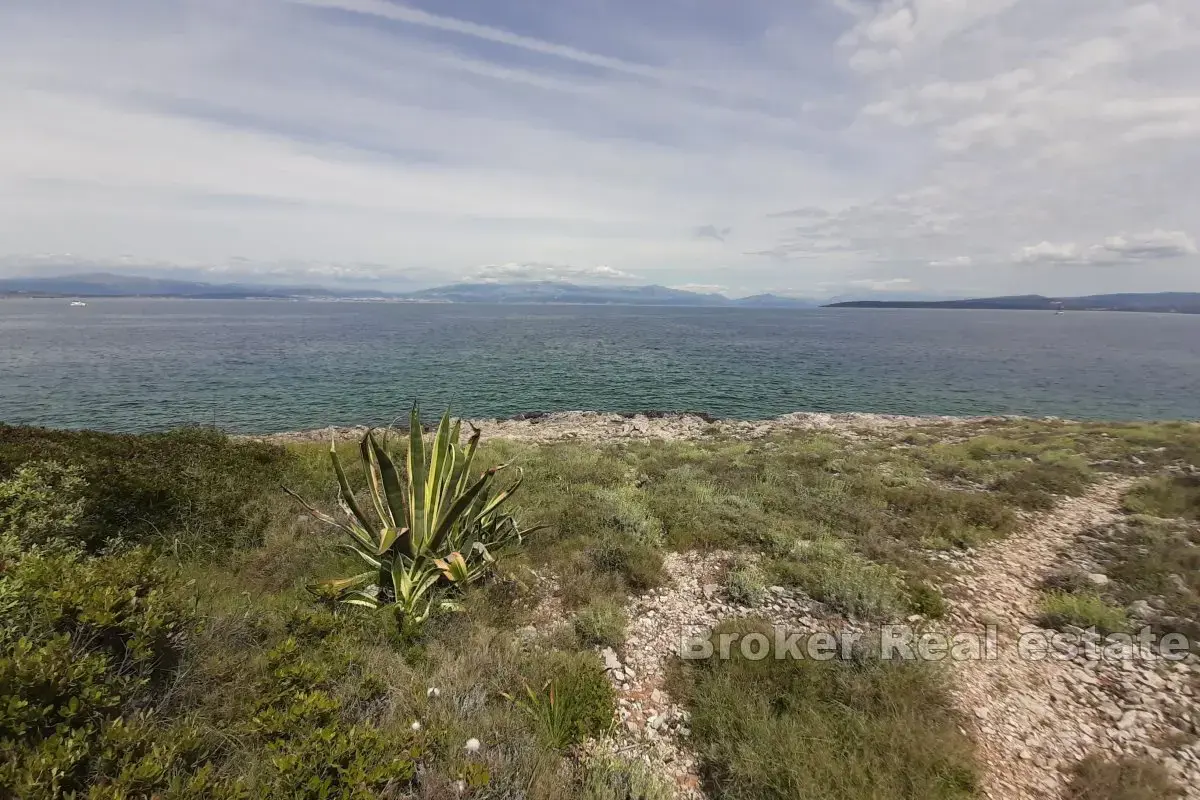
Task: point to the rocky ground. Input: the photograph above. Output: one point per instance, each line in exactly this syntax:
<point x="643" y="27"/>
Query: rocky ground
<point x="1032" y="719"/>
<point x="1036" y="718"/>
<point x="592" y="426"/>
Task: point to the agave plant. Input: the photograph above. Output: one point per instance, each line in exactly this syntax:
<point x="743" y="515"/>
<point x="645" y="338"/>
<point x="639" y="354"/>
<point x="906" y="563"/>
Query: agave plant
<point x="432" y="527"/>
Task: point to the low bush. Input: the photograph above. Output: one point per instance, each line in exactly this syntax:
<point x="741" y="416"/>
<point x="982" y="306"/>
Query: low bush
<point x="610" y="777"/>
<point x="925" y="599"/>
<point x="829" y="571"/>
<point x="744" y="583"/>
<point x="601" y="623"/>
<point x="194" y="490"/>
<point x="1150" y="557"/>
<point x="1126" y="778"/>
<point x="638" y="565"/>
<point x="41" y="504"/>
<point x="823" y="730"/>
<point x="1083" y="610"/>
<point x="573" y="699"/>
<point x="1166" y="496"/>
<point x="87" y="648"/>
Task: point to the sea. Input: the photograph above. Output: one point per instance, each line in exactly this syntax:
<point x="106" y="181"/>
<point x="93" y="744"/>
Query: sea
<point x="268" y="366"/>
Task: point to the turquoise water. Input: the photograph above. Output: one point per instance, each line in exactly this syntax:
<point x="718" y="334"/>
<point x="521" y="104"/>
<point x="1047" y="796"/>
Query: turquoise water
<point x="134" y="365"/>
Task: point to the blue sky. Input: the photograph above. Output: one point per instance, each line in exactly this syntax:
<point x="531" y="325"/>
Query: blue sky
<point x="808" y="147"/>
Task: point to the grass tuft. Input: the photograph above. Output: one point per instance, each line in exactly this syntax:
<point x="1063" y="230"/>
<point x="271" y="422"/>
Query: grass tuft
<point x="1083" y="610"/>
<point x="601" y="623"/>
<point x="1126" y="778"/>
<point x="824" y="730"/>
<point x="1166" y="496"/>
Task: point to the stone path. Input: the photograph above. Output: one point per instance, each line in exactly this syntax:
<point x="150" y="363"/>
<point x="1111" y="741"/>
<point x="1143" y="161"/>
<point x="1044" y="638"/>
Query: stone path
<point x="1035" y="719"/>
<point x="652" y="726"/>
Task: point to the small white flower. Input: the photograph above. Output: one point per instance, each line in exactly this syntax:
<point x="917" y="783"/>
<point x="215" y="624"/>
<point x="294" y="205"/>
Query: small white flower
<point x="416" y="726"/>
<point x="433" y="691"/>
<point x="472" y="745"/>
<point x="460" y="786"/>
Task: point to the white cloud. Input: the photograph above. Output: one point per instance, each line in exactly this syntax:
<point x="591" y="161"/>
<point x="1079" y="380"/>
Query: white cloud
<point x="549" y="272"/>
<point x="702" y="288"/>
<point x="889" y="285"/>
<point x="1152" y="246"/>
<point x="956" y="261"/>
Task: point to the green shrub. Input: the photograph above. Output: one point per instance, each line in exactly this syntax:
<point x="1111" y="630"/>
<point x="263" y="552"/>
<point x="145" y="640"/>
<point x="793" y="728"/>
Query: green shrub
<point x="926" y="600"/>
<point x="610" y="777"/>
<point x="1166" y="496"/>
<point x="85" y="646"/>
<point x="194" y="490"/>
<point x="1126" y="778"/>
<point x="43" y="503"/>
<point x="601" y="623"/>
<point x="1083" y="610"/>
<point x="624" y="510"/>
<point x="573" y="699"/>
<point x="803" y="729"/>
<point x="638" y="565"/>
<point x="827" y="570"/>
<point x="744" y="583"/>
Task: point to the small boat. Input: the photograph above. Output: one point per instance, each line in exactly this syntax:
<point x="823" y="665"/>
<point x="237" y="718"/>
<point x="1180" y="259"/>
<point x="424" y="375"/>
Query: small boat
<point x="78" y="303"/>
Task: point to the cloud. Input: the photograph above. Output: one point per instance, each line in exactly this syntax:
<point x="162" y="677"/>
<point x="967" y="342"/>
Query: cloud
<point x="712" y="232"/>
<point x="517" y="272"/>
<point x="887" y="285"/>
<point x="401" y="142"/>
<point x="1153" y="246"/>
<point x="702" y="288"/>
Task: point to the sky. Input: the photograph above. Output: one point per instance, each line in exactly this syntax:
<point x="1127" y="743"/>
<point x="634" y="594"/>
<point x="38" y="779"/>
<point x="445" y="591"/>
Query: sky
<point x="813" y="148"/>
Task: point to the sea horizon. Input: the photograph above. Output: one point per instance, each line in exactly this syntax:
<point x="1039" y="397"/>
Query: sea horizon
<point x="259" y="367"/>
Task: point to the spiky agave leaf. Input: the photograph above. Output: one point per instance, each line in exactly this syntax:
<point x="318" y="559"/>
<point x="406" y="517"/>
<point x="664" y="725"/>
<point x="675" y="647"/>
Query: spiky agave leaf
<point x="345" y="493"/>
<point x="374" y="482"/>
<point x="454" y="567"/>
<point x="416" y="479"/>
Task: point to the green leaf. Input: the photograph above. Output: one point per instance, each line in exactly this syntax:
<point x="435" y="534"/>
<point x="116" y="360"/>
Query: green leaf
<point x="416" y="479"/>
<point x="390" y="478"/>
<point x="346" y="493"/>
<point x="373" y="481"/>
<point x="457" y="510"/>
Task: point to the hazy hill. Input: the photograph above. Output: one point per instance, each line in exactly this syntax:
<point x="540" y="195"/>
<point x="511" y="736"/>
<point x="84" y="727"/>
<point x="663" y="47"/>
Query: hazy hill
<point x="109" y="285"/>
<point x="559" y="292"/>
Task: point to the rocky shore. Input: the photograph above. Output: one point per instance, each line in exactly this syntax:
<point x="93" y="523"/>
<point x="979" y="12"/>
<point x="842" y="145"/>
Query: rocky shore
<point x="595" y="426"/>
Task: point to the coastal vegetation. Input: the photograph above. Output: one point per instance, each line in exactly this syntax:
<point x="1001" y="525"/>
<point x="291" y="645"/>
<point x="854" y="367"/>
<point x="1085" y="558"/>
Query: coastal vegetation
<point x="173" y="624"/>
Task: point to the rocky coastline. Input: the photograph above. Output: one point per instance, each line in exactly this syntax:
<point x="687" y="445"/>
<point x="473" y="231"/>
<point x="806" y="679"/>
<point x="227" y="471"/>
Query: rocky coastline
<point x="596" y="426"/>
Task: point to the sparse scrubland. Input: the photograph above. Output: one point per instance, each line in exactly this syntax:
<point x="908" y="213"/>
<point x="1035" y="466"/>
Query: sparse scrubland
<point x="174" y="625"/>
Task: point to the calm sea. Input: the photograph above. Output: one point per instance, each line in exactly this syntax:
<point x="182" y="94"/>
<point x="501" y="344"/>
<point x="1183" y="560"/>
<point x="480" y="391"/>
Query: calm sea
<point x="260" y="366"/>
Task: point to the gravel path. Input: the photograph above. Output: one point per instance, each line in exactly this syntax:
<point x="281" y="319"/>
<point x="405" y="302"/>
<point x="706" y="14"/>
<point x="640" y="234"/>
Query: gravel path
<point x="1035" y="719"/>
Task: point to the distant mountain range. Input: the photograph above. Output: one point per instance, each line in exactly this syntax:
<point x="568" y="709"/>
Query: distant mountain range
<point x="108" y="285"/>
<point x="102" y="284"/>
<point x="1161" y="302"/>
<point x="559" y="292"/>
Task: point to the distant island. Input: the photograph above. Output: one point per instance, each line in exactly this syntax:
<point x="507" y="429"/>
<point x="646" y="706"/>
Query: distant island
<point x="1160" y="302"/>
